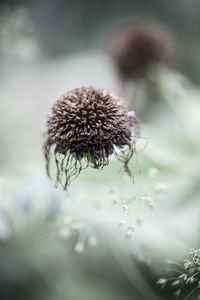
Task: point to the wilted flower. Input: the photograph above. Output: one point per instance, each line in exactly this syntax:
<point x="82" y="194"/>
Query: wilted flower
<point x="86" y="126"/>
<point x="139" y="47"/>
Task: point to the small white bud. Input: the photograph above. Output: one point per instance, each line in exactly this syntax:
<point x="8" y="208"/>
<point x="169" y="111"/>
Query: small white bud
<point x="64" y="233"/>
<point x="129" y="234"/>
<point x="124" y="207"/>
<point x="76" y="226"/>
<point x="92" y="241"/>
<point x="151" y="205"/>
<point x="121" y="224"/>
<point x="79" y="248"/>
<point x="153" y="172"/>
<point x="132" y="114"/>
<point x="148" y="200"/>
<point x="114" y="202"/>
<point x="131" y="228"/>
<point x="161" y="187"/>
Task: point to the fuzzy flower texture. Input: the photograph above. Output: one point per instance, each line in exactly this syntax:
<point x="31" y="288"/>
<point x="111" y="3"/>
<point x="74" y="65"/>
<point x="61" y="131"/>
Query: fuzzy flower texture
<point x="86" y="126"/>
<point x="139" y="47"/>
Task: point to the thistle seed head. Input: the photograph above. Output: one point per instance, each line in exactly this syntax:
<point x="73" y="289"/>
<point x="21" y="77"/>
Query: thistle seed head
<point x="85" y="127"/>
<point x="140" y="47"/>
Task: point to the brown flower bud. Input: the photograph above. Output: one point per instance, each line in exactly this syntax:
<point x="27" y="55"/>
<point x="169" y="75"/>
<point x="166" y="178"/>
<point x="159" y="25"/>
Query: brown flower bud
<point x="139" y="47"/>
<point x="86" y="126"/>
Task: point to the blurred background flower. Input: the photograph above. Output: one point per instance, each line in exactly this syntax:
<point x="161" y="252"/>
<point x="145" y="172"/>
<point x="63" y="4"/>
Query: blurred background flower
<point x="138" y="48"/>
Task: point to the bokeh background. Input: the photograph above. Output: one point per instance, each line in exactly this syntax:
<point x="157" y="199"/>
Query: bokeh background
<point x="105" y="238"/>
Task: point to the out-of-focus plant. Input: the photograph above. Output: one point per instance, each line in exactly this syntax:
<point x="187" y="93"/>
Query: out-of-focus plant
<point x="188" y="277"/>
<point x="138" y="53"/>
<point x="139" y="48"/>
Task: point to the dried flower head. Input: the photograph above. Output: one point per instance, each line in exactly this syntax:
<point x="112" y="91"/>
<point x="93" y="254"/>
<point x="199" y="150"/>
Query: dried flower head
<point x="86" y="126"/>
<point x="139" y="47"/>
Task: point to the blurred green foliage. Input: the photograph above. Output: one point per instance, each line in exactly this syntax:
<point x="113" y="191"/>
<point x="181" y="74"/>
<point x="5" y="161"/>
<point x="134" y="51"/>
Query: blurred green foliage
<point x="105" y="238"/>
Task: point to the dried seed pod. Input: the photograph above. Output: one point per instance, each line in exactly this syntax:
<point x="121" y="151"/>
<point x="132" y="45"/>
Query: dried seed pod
<point x="86" y="126"/>
<point x="139" y="47"/>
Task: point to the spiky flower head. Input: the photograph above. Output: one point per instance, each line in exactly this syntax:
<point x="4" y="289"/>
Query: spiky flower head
<point x="85" y="127"/>
<point x="139" y="47"/>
